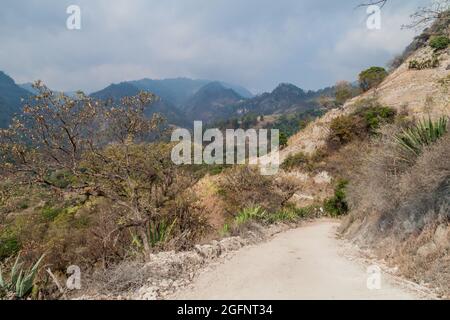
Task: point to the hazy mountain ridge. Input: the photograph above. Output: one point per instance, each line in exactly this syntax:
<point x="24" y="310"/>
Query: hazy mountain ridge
<point x="184" y="100"/>
<point x="178" y="91"/>
<point x="284" y="98"/>
<point x="210" y="101"/>
<point x="124" y="89"/>
<point x="10" y="99"/>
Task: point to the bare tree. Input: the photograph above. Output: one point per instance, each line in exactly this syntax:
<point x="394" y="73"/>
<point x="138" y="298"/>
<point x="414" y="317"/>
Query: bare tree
<point x="425" y="16"/>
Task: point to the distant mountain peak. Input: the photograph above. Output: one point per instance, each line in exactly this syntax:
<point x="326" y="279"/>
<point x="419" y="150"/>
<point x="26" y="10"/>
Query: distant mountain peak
<point x="5" y="79"/>
<point x="217" y="87"/>
<point x="288" y="88"/>
<point x="212" y="101"/>
<point x="216" y="90"/>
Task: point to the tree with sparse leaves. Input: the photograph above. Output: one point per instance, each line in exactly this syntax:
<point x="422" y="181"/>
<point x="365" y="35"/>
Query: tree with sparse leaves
<point x="344" y="92"/>
<point x="103" y="149"/>
<point x="371" y="78"/>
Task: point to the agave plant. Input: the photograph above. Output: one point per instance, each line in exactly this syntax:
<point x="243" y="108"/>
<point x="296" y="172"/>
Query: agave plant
<point x="248" y="214"/>
<point x="20" y="283"/>
<point x="424" y="133"/>
<point x="160" y="232"/>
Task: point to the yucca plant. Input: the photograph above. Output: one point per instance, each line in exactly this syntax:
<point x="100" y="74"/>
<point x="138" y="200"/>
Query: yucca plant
<point x="160" y="232"/>
<point x="20" y="283"/>
<point x="424" y="133"/>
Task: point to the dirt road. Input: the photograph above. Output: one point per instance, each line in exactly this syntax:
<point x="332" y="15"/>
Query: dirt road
<point x="305" y="263"/>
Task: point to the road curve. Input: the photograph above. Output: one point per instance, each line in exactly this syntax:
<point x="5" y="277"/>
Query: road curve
<point x="304" y="263"/>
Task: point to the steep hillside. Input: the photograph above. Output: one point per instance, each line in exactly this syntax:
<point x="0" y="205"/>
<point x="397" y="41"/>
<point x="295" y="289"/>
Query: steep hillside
<point x="418" y="92"/>
<point x="10" y="99"/>
<point x="397" y="200"/>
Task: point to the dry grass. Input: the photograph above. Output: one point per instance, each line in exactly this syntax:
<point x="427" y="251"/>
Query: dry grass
<point x="244" y="187"/>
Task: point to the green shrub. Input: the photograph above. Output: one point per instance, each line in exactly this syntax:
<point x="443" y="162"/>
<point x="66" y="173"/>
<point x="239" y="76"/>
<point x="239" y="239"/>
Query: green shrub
<point x="430" y="63"/>
<point x="375" y="116"/>
<point x="9" y="244"/>
<point x="344" y="129"/>
<point x="439" y="43"/>
<point x="424" y="133"/>
<point x="283" y="141"/>
<point x="225" y="230"/>
<point x="289" y="213"/>
<point x="372" y="77"/>
<point x="61" y="179"/>
<point x="216" y="169"/>
<point x="283" y="215"/>
<point x="23" y="204"/>
<point x="302" y="161"/>
<point x="365" y="121"/>
<point x="51" y="213"/>
<point x="337" y="205"/>
<point x="295" y="161"/>
<point x="249" y="214"/>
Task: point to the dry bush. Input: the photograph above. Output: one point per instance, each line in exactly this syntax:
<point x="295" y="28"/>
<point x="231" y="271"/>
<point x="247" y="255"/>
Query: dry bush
<point x="244" y="187"/>
<point x="397" y="204"/>
<point x="365" y="121"/>
<point x="123" y="277"/>
<point x="387" y="183"/>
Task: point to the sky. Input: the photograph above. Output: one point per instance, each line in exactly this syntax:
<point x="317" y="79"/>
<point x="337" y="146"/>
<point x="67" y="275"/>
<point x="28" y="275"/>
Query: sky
<point x="254" y="43"/>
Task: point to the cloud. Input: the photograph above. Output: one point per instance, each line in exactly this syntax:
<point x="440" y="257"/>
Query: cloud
<point x="256" y="43"/>
<point x="358" y="48"/>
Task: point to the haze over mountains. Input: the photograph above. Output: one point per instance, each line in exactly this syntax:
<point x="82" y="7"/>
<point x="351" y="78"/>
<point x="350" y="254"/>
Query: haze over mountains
<point x="182" y="100"/>
<point x="185" y="100"/>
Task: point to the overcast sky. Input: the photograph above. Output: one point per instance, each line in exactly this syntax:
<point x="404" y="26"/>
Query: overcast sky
<point x="254" y="43"/>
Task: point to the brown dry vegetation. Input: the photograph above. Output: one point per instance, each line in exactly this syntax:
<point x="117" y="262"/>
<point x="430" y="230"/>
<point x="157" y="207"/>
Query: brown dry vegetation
<point x="83" y="183"/>
<point x="402" y="208"/>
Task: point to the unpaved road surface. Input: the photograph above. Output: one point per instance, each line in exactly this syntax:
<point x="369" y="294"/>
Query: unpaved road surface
<point x="305" y="263"/>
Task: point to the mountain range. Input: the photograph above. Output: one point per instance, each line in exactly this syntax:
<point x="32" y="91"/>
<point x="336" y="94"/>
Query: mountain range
<point x="183" y="100"/>
<point x="179" y="90"/>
